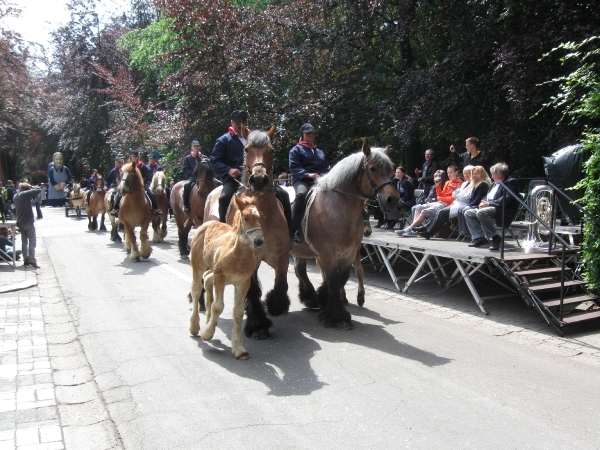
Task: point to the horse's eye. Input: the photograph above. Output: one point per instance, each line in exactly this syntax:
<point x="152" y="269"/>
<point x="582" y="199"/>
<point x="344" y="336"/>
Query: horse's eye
<point x="373" y="169"/>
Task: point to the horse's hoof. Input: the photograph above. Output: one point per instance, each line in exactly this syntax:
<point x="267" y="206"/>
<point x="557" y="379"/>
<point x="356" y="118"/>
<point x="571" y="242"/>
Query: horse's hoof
<point x="244" y="356"/>
<point x="103" y="228"/>
<point x="360" y="301"/>
<point x="260" y="335"/>
<point x="343" y="326"/>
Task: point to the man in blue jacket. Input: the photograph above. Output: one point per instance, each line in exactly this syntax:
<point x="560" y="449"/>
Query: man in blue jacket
<point x="189" y="165"/>
<point x="307" y="164"/>
<point x="227" y="158"/>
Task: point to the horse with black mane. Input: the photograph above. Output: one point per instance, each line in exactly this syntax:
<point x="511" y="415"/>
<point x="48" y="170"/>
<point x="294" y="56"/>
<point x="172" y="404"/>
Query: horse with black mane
<point x="205" y="183"/>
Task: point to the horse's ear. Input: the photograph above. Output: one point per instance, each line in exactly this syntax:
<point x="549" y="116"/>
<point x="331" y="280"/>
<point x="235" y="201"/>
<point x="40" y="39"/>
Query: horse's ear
<point x="366" y="148"/>
<point x="271" y="133"/>
<point x="238" y="202"/>
<point x="387" y="149"/>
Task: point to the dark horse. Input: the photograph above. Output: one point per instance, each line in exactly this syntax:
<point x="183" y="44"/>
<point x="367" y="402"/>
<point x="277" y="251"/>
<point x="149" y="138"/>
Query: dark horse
<point x="333" y="228"/>
<point x="205" y="183"/>
<point x="258" y="183"/>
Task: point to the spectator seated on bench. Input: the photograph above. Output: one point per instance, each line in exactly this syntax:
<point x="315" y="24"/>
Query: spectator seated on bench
<point x="482" y="221"/>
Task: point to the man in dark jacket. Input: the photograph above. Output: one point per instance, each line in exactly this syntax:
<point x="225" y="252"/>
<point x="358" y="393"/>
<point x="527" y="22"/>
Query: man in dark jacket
<point x="227" y="158"/>
<point x="189" y="165"/>
<point x="472" y="157"/>
<point x="25" y="222"/>
<point x="307" y="164"/>
<point x="425" y="175"/>
<point x="481" y="220"/>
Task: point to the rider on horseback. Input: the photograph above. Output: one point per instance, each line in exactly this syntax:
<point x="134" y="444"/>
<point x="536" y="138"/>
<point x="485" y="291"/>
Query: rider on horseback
<point x="189" y="165"/>
<point x="146" y="172"/>
<point x="307" y="163"/>
<point x="112" y="180"/>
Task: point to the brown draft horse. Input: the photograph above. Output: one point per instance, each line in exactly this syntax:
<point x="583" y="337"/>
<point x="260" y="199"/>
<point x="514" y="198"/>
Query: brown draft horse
<point x="135" y="211"/>
<point x="205" y="183"/>
<point x="158" y="186"/>
<point x="258" y="182"/>
<point x="360" y="272"/>
<point x="334" y="228"/>
<point x="96" y="206"/>
<point x="222" y="254"/>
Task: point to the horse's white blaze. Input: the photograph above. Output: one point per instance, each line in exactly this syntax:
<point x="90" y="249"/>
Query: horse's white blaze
<point x="255" y="212"/>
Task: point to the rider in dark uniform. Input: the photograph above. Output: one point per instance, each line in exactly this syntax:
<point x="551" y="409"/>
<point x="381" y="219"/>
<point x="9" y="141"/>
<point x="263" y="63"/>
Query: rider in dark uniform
<point x="227" y="159"/>
<point x="189" y="164"/>
<point x="307" y="163"/>
<point x="111" y="180"/>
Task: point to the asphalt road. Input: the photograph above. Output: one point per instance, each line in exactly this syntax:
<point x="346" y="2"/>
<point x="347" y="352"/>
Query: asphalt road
<point x="400" y="379"/>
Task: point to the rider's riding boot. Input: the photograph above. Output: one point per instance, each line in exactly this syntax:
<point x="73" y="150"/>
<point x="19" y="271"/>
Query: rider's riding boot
<point x="297" y="214"/>
<point x="297" y="238"/>
<point x="187" y="187"/>
<point x="115" y="205"/>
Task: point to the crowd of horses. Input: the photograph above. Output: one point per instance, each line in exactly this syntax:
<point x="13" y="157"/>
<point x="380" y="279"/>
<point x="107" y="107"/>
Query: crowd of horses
<point x="256" y="231"/>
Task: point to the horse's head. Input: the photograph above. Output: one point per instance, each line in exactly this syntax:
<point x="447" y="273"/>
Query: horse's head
<point x="249" y="220"/>
<point x="159" y="183"/>
<point x="378" y="168"/>
<point x="367" y="230"/>
<point x="205" y="178"/>
<point x="258" y="161"/>
<point x="131" y="179"/>
<point x="99" y="185"/>
<point x="76" y="190"/>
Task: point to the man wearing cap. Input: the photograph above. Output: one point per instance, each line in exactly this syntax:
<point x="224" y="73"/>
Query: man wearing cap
<point x="227" y="158"/>
<point x="153" y="162"/>
<point x="112" y="179"/>
<point x="307" y="164"/>
<point x="25" y="222"/>
<point x="134" y="157"/>
<point x="189" y="164"/>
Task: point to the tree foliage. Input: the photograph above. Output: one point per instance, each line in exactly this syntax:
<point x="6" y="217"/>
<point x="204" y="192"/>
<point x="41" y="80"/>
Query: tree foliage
<point x="578" y="99"/>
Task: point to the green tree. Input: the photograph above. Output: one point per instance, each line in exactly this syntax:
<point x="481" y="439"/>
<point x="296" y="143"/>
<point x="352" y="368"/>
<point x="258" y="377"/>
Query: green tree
<point x="578" y="99"/>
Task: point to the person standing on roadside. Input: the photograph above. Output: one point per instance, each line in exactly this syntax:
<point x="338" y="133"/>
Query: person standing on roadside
<point x="25" y="222"/>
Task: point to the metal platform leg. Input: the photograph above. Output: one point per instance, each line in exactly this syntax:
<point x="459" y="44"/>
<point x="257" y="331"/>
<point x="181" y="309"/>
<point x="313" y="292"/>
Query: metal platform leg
<point x="471" y="286"/>
<point x="389" y="267"/>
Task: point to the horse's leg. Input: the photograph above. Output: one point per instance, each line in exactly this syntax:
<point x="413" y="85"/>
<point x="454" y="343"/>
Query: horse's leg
<point x="257" y="322"/>
<point x="237" y="345"/>
<point x="207" y="279"/>
<point x="156" y="235"/>
<point x="360" y="275"/>
<point x="102" y="226"/>
<point x="307" y="292"/>
<point x="95" y="222"/>
<point x="164" y="225"/>
<point x="127" y="244"/>
<point x="216" y="308"/>
<point x="183" y="233"/>
<point x="195" y="291"/>
<point x="278" y="301"/>
<point x="90" y="224"/>
<point x="333" y="313"/>
<point x="135" y="251"/>
<point x="146" y="250"/>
